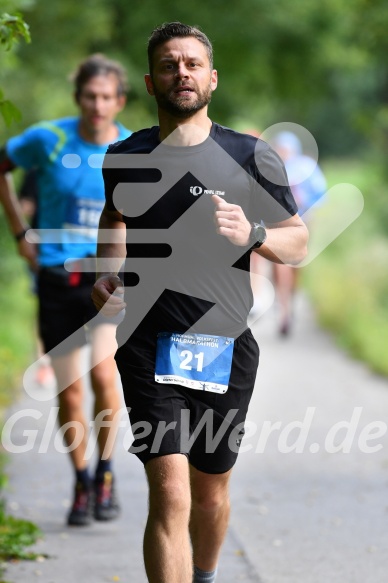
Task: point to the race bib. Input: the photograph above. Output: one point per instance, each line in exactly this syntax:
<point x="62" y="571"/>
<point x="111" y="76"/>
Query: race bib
<point x="196" y="361"/>
<point x="83" y="213"/>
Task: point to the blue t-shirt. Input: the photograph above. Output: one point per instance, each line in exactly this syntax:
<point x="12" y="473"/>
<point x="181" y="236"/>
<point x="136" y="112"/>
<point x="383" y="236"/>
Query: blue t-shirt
<point x="308" y="184"/>
<point x="70" y="185"/>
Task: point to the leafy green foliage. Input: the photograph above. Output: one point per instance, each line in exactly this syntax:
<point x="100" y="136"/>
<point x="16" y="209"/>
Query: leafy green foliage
<point x="348" y="280"/>
<point x="9" y="111"/>
<point x="322" y="65"/>
<point x="3" y="476"/>
<point x="12" y="28"/>
<point x="17" y="309"/>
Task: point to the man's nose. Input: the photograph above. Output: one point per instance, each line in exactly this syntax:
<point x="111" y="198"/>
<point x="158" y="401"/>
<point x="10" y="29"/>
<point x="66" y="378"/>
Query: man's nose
<point x="98" y="103"/>
<point x="181" y="71"/>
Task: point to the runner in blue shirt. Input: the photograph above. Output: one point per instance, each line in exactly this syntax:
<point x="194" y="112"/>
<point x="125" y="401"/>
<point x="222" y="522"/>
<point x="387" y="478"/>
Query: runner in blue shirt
<point x="308" y="186"/>
<point x="66" y="155"/>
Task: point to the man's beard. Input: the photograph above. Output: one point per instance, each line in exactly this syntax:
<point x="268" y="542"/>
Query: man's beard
<point x="181" y="107"/>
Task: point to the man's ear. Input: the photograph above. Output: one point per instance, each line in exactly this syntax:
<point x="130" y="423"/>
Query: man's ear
<point x="214" y="79"/>
<point x="149" y="84"/>
<point x="121" y="101"/>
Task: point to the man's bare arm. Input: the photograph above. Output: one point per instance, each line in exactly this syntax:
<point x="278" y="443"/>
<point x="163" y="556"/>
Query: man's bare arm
<point x="111" y="253"/>
<point x="286" y="241"/>
<point x="111" y="247"/>
<point x="16" y="221"/>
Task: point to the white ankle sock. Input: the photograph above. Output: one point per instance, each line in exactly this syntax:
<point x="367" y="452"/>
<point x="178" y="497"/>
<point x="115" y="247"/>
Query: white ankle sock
<point x="204" y="576"/>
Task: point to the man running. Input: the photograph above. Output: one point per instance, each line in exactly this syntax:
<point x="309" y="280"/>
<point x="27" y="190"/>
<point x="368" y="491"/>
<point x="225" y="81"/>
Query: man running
<point x="70" y="196"/>
<point x="188" y="363"/>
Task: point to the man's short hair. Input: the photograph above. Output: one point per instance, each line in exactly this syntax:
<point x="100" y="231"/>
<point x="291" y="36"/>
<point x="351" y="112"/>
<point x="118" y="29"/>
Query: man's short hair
<point x="170" y="30"/>
<point x="99" y="64"/>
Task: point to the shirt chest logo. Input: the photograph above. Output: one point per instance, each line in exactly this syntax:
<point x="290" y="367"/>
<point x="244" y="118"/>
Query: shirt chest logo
<point x="197" y="190"/>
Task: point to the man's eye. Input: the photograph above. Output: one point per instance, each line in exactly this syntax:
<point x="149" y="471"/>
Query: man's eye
<point x="193" y="65"/>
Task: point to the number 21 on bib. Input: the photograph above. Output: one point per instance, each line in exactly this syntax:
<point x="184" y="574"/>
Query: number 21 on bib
<point x="196" y="361"/>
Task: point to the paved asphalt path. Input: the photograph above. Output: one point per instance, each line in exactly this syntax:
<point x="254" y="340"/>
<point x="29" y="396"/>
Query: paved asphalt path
<point x="307" y="516"/>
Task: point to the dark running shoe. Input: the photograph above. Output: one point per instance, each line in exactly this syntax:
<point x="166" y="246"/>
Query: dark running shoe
<point x="106" y="506"/>
<point x="82" y="510"/>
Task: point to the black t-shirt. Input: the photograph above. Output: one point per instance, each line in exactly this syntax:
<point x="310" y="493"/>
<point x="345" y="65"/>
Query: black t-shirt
<point x="164" y="193"/>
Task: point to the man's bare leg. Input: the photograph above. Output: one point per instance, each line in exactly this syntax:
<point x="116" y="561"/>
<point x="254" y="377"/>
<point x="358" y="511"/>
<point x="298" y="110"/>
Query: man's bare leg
<point x="167" y="550"/>
<point x="71" y="415"/>
<point x="285" y="279"/>
<point x="210" y="509"/>
<point x="103" y="377"/>
<point x="73" y="424"/>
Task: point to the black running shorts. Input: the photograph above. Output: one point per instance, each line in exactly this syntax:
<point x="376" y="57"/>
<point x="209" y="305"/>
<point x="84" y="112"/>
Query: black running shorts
<point x="65" y="306"/>
<point x="207" y="427"/>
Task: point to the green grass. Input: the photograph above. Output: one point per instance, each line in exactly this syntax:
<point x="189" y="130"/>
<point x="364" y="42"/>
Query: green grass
<point x="15" y="535"/>
<point x="348" y="282"/>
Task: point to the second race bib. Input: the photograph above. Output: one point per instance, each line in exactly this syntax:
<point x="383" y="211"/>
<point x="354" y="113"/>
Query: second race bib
<point x="83" y="213"/>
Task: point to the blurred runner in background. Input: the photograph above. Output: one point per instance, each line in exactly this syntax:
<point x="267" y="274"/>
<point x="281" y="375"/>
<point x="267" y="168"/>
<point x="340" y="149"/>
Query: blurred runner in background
<point x="306" y="191"/>
<point x="71" y="196"/>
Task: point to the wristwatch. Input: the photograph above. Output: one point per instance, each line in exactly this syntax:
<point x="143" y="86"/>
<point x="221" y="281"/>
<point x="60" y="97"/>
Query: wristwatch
<point x="258" y="236"/>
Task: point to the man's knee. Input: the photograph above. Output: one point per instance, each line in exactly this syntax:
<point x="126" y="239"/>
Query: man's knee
<point x="210" y="493"/>
<point x="103" y="377"/>
<point x="169" y="488"/>
<point x="71" y="397"/>
<point x="210" y="502"/>
<point x="171" y="495"/>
